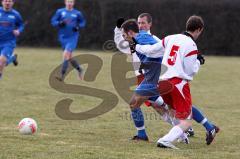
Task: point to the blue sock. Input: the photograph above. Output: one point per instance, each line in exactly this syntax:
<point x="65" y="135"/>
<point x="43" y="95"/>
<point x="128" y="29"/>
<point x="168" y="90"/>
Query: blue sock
<point x="11" y="59"/>
<point x="200" y="118"/>
<point x="64" y="67"/>
<point x="138" y="119"/>
<point x="75" y="65"/>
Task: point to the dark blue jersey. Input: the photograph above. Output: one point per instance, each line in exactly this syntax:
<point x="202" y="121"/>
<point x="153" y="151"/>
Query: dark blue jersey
<point x="9" y="21"/>
<point x="71" y="19"/>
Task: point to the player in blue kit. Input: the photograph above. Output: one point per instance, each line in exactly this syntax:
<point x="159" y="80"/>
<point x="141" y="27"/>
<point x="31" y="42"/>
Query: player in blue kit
<point x="68" y="21"/>
<point x="151" y="63"/>
<point x="11" y="26"/>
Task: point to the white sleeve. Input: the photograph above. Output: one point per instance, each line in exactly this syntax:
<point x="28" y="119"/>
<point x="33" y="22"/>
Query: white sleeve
<point x="190" y="62"/>
<point x="157" y="48"/>
<point x="191" y="65"/>
<point x="121" y="44"/>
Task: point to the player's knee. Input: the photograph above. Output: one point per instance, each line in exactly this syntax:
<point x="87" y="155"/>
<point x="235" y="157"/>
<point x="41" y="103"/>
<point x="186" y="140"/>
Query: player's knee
<point x="3" y="61"/>
<point x="132" y="103"/>
<point x="67" y="55"/>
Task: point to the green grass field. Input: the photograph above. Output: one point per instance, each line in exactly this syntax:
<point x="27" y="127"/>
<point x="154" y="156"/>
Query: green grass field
<point x="25" y="92"/>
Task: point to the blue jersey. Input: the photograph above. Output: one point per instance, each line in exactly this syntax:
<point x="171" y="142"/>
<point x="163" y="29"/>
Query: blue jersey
<point x="9" y="21"/>
<point x="144" y="38"/>
<point x="151" y="66"/>
<point x="73" y="18"/>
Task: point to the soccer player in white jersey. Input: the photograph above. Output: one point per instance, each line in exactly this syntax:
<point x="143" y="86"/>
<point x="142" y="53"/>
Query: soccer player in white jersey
<point x="180" y="57"/>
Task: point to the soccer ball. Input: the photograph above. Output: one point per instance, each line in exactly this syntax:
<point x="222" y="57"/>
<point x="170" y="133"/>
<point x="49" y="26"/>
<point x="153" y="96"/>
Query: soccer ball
<point x="27" y="126"/>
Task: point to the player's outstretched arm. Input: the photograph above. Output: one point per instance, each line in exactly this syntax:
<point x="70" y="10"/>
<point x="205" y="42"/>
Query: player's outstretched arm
<point x="157" y="48"/>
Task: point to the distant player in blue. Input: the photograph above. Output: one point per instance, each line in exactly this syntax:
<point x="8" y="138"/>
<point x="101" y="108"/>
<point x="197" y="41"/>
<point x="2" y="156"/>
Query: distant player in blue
<point x="68" y="21"/>
<point x="11" y="25"/>
<point x="151" y="64"/>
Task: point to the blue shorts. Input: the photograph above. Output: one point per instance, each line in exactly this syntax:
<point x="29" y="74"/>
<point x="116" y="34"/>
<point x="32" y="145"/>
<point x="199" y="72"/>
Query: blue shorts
<point x="149" y="85"/>
<point x="7" y="50"/>
<point x="147" y="90"/>
<point x="69" y="44"/>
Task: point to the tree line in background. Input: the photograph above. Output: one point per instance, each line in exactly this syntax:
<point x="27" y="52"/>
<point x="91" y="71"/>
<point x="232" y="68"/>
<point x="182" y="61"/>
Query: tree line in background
<point x="221" y="35"/>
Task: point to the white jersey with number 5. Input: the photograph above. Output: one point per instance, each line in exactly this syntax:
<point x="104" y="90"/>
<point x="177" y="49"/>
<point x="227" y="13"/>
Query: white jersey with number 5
<point x="180" y="57"/>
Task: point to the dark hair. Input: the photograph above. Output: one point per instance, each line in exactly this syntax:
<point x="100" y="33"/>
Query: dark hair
<point x="130" y="24"/>
<point x="194" y="22"/>
<point x="149" y="17"/>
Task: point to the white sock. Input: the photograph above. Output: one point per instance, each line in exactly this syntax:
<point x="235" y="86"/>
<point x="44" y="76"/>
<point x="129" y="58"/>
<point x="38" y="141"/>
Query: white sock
<point x="159" y="101"/>
<point x="183" y="136"/>
<point x="204" y="121"/>
<point x="173" y="134"/>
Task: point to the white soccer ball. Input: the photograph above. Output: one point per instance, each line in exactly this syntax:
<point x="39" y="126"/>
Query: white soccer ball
<point x="27" y="126"/>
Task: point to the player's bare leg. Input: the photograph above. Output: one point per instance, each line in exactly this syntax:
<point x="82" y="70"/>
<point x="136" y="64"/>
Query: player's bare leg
<point x="3" y="62"/>
<point x="137" y="101"/>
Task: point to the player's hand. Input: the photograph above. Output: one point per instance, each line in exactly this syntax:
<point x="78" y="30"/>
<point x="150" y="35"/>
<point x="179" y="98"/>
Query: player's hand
<point x="61" y="24"/>
<point x="119" y="22"/>
<point x="16" y="32"/>
<point x="76" y="29"/>
<point x="201" y="59"/>
<point x="132" y="45"/>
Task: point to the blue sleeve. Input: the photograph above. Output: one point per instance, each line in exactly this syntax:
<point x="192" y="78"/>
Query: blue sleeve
<point x="55" y="19"/>
<point x="81" y="20"/>
<point x="19" y="23"/>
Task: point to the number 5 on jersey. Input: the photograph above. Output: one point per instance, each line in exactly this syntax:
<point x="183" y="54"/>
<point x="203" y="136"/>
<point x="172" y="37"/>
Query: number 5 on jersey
<point x="173" y="55"/>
